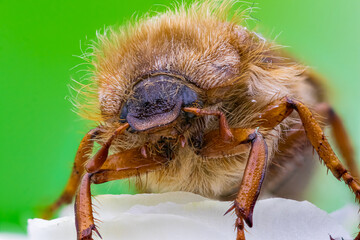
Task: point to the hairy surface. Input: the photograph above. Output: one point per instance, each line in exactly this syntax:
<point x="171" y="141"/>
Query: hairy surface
<point x="231" y="68"/>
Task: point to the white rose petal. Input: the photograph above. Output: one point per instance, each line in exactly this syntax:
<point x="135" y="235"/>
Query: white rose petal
<point x="180" y="215"/>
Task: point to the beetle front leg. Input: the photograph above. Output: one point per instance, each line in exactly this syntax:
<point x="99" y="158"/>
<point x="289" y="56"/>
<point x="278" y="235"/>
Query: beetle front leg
<point x="84" y="219"/>
<point x="118" y="166"/>
<point x="251" y="183"/>
<point x="215" y="146"/>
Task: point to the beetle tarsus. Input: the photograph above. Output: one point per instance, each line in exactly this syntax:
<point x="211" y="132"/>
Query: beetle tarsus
<point x="240" y="233"/>
<point x="87" y="233"/>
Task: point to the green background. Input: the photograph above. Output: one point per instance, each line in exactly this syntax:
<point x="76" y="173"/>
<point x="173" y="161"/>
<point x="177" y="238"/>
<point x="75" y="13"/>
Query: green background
<point x="40" y="133"/>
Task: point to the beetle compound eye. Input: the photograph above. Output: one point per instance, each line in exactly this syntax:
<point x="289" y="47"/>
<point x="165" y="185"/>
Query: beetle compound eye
<point x="190" y="98"/>
<point x="123" y="114"/>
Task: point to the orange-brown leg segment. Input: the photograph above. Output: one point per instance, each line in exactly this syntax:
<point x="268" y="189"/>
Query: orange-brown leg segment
<point x="84" y="219"/>
<point x="251" y="183"/>
<point x="341" y="137"/>
<point x="99" y="158"/>
<point x="82" y="155"/>
<point x="223" y="124"/>
<point x="225" y="142"/>
<point x="216" y="145"/>
<point x="118" y="166"/>
<point x="280" y="109"/>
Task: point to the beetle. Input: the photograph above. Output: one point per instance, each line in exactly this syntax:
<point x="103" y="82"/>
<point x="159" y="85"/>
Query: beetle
<point x="190" y="101"/>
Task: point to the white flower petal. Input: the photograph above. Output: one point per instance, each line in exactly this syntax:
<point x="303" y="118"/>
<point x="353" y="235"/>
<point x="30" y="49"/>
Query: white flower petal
<point x="188" y="216"/>
<point x="12" y="236"/>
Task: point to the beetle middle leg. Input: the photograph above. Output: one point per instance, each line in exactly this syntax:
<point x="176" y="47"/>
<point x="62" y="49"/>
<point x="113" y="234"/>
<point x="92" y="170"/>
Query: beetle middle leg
<point x="288" y="173"/>
<point x="273" y="115"/>
<point x="341" y="137"/>
<point x="280" y="109"/>
<point x="82" y="156"/>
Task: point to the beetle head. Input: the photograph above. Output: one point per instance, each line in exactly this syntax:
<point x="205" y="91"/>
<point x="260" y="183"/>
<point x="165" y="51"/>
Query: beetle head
<point x="157" y="101"/>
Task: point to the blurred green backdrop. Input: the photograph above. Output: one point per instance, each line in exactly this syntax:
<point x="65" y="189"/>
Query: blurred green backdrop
<point x="40" y="134"/>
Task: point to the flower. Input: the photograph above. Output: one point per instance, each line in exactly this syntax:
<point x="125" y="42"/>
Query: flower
<point x="181" y="215"/>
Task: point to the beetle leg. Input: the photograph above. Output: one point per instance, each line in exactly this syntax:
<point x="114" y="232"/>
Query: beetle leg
<point x="251" y="183"/>
<point x="84" y="219"/>
<point x="280" y="109"/>
<point x="254" y="173"/>
<point x="118" y="166"/>
<point x="341" y="136"/>
<point x="224" y="129"/>
<point x="214" y="146"/>
<point x="288" y="177"/>
<point x="82" y="155"/>
<point x="296" y="139"/>
<point x="99" y="158"/>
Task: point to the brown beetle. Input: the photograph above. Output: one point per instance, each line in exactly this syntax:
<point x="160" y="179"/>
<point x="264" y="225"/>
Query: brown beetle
<point x="201" y="104"/>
